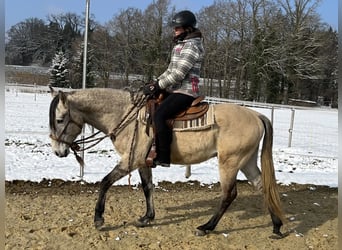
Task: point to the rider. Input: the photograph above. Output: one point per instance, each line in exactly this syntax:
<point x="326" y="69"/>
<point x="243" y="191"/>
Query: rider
<point x="179" y="82"/>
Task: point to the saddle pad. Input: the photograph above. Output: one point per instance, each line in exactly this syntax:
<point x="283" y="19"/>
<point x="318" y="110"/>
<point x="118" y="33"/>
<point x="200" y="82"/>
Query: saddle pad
<point x="204" y="122"/>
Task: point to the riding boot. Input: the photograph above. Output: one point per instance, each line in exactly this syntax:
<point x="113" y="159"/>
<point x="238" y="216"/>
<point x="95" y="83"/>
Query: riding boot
<point x="163" y="142"/>
<point x="169" y="108"/>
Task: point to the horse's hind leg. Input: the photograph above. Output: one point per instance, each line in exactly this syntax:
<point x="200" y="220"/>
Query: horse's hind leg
<point x="229" y="193"/>
<point x="147" y="185"/>
<point x="252" y="172"/>
<point x="277" y="223"/>
<point x="116" y="174"/>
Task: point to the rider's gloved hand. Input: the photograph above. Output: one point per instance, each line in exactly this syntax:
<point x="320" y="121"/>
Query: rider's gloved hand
<point x="151" y="88"/>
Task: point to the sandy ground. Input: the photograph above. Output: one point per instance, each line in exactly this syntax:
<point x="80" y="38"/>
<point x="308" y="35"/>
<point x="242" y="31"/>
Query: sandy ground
<point x="59" y="215"/>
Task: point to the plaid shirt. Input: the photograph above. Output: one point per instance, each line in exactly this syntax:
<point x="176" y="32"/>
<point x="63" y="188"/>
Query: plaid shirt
<point x="183" y="72"/>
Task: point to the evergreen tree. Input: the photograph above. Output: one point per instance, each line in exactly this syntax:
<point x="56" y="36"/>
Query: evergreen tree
<point x="76" y="73"/>
<point x="59" y="71"/>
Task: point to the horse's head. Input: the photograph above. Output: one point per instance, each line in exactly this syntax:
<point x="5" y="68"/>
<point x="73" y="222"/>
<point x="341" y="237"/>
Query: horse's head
<point x="65" y="125"/>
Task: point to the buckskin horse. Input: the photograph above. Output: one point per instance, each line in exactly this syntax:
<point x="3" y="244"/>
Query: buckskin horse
<point x="233" y="137"/>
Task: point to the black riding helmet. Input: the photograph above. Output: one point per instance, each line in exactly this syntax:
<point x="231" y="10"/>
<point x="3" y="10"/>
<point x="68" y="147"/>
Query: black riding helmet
<point x="184" y="18"/>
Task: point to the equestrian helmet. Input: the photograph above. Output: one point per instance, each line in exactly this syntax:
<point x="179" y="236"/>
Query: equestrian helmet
<point x="184" y="18"/>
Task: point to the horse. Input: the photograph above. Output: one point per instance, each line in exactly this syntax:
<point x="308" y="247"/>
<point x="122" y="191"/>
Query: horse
<point x="234" y="138"/>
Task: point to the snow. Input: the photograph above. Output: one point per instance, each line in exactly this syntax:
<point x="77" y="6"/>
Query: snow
<point x="311" y="159"/>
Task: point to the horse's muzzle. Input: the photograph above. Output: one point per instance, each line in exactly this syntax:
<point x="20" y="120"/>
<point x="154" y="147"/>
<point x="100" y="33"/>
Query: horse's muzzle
<point x="63" y="153"/>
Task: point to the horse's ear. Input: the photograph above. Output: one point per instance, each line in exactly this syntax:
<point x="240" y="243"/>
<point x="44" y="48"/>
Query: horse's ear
<point x="62" y="97"/>
<point x="52" y="91"/>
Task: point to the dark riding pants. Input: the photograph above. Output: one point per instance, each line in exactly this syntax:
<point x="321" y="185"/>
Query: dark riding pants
<point x="172" y="105"/>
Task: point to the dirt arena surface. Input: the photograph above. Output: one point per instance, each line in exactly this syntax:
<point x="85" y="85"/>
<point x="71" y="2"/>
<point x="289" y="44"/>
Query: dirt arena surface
<point x="59" y="215"/>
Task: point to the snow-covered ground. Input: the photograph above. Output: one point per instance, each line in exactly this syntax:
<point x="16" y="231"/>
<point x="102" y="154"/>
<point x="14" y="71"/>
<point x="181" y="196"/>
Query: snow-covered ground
<point x="311" y="159"/>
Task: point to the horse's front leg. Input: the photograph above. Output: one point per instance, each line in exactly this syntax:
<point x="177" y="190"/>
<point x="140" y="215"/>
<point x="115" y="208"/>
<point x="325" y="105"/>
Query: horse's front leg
<point x="147" y="185"/>
<point x="116" y="174"/>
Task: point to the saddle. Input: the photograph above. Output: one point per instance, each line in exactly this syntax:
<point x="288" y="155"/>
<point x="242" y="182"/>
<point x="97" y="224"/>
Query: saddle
<point x="197" y="109"/>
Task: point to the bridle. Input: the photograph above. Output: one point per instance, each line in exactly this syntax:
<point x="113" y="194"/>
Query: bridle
<point x="137" y="103"/>
<point x="59" y="137"/>
<point x="74" y="146"/>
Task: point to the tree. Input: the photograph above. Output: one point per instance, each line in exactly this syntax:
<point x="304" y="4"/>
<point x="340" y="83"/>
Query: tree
<point x="301" y="46"/>
<point x="104" y="58"/>
<point x="76" y="67"/>
<point x="69" y="27"/>
<point x="327" y="88"/>
<point x="221" y="57"/>
<point x="262" y="50"/>
<point x="34" y="42"/>
<point x="125" y="28"/>
<point x="59" y="71"/>
<point x="156" y="38"/>
<point x="142" y="41"/>
<point x="27" y="43"/>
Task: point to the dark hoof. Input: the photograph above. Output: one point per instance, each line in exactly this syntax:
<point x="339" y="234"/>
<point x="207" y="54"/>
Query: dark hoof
<point x="143" y="222"/>
<point x="99" y="223"/>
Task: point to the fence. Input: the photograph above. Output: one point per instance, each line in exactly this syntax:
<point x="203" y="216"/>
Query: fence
<point x="309" y="132"/>
<point x="297" y="126"/>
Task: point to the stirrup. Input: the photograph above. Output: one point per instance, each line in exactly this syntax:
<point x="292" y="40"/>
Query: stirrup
<point x="151" y="156"/>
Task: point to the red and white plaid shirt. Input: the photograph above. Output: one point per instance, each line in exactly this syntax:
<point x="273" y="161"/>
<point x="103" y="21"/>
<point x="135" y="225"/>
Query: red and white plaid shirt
<point x="183" y="72"/>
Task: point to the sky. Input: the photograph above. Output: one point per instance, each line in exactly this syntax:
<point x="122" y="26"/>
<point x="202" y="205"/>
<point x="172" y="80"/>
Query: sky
<point x="105" y="9"/>
<point x="311" y="159"/>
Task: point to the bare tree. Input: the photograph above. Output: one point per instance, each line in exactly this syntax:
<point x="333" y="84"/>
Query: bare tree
<point x="26" y="42"/>
<point x="69" y="27"/>
<point x="125" y="28"/>
<point x="261" y="50"/>
<point x="155" y="38"/>
<point x="104" y="58"/>
<point x="301" y="45"/>
<point x="216" y="23"/>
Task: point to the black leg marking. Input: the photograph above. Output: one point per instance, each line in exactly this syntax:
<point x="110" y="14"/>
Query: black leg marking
<point x="147" y="185"/>
<point x="277" y="223"/>
<point x="106" y="183"/>
<point x="227" y="198"/>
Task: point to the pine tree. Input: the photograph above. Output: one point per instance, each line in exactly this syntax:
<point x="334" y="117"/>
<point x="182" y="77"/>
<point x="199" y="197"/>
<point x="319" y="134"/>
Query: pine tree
<point x="59" y="71"/>
<point x="77" y="68"/>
